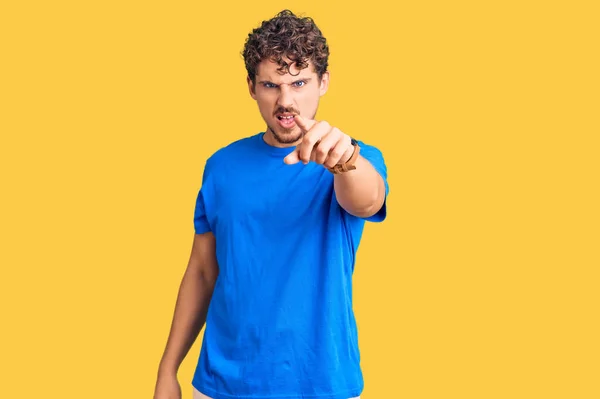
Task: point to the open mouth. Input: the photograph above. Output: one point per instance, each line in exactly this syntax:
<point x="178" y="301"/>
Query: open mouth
<point x="285" y="117"/>
<point x="286" y="120"/>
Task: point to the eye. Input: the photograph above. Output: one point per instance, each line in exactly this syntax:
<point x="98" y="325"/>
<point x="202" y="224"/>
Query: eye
<point x="269" y="85"/>
<point x="299" y="83"/>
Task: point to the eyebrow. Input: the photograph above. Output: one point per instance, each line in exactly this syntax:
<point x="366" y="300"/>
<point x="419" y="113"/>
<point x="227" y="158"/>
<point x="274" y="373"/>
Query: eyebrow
<point x="297" y="80"/>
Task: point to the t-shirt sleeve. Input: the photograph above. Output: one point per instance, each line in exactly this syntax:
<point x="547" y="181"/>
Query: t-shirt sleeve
<point x="375" y="157"/>
<point x="203" y="200"/>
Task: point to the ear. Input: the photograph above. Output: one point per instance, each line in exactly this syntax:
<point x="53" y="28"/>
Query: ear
<point x="324" y="84"/>
<point x="251" y="87"/>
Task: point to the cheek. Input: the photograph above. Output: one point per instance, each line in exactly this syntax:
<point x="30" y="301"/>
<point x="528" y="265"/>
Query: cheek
<point x="265" y="105"/>
<point x="309" y="100"/>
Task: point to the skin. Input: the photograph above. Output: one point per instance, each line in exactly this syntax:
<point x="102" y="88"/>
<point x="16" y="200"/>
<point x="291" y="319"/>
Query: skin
<point x="297" y="91"/>
<point x="360" y="192"/>
<point x="194" y="296"/>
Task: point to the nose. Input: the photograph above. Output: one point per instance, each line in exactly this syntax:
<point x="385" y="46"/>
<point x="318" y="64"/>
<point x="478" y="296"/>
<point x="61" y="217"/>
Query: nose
<point x="285" y="98"/>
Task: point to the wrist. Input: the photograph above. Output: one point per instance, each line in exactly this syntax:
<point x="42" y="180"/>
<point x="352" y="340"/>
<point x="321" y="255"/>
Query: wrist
<point x="347" y="163"/>
<point x="167" y="370"/>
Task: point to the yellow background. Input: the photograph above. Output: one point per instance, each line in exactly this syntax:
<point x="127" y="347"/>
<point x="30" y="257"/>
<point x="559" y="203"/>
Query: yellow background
<point x="482" y="283"/>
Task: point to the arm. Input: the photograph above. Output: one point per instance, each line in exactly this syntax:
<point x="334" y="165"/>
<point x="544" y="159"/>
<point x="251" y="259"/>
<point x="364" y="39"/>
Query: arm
<point x="192" y="303"/>
<point x="361" y="192"/>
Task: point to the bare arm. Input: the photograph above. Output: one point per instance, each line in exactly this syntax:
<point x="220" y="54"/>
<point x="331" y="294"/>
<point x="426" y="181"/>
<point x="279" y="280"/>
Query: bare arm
<point x="192" y="303"/>
<point x="361" y="192"/>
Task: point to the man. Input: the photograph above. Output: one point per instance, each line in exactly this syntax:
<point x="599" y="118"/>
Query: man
<point x="278" y="221"/>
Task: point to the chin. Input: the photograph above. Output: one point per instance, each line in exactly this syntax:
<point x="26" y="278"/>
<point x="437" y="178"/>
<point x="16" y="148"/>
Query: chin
<point x="287" y="136"/>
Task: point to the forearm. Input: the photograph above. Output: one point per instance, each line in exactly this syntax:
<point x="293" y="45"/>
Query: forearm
<point x="189" y="317"/>
<point x="361" y="192"/>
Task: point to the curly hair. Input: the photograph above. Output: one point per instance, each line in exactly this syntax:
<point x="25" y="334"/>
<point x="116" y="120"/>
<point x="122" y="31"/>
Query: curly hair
<point x="286" y="35"/>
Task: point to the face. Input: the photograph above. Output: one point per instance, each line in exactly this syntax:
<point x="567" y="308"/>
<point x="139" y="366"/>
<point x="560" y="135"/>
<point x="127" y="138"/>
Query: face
<point x="279" y="96"/>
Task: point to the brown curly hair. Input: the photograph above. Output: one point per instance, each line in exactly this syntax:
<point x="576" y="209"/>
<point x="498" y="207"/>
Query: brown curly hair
<point x="290" y="36"/>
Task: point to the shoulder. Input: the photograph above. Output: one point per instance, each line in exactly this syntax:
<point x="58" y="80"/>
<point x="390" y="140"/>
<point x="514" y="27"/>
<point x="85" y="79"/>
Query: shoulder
<point x="369" y="147"/>
<point x="373" y="154"/>
<point x="231" y="151"/>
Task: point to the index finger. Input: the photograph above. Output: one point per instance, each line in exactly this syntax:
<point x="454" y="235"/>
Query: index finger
<point x="305" y="124"/>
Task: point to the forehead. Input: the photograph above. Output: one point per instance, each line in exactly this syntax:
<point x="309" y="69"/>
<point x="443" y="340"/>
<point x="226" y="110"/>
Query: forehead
<point x="269" y="70"/>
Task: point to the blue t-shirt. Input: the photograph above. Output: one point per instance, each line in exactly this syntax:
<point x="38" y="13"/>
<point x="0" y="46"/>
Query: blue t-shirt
<point x="280" y="324"/>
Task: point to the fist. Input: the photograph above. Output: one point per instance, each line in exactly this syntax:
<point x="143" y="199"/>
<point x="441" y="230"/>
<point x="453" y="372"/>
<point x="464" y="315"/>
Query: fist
<point x="322" y="144"/>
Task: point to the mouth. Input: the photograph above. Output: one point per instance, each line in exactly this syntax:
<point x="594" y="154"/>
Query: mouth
<point x="286" y="120"/>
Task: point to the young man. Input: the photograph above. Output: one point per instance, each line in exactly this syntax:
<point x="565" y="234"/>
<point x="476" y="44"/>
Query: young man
<point x="278" y="221"/>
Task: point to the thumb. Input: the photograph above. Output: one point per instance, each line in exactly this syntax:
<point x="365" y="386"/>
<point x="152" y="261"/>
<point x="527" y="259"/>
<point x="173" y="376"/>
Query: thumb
<point x="292" y="157"/>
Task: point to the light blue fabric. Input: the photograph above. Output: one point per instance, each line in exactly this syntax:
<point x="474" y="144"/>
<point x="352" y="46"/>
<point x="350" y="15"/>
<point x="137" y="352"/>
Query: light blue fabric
<point x="280" y="323"/>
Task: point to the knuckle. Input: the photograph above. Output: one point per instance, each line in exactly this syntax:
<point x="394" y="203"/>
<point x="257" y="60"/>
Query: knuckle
<point x="324" y="124"/>
<point x="322" y="151"/>
<point x="336" y="154"/>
